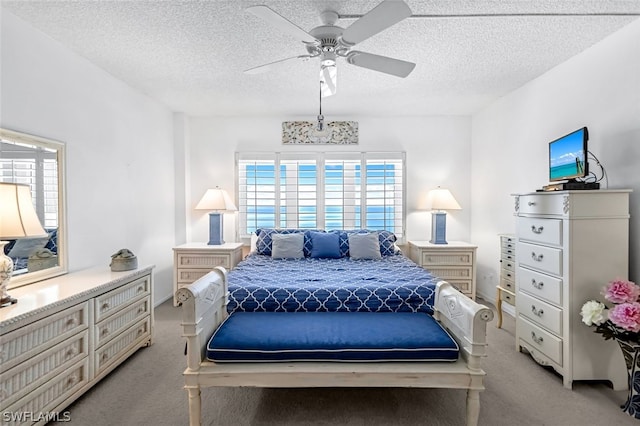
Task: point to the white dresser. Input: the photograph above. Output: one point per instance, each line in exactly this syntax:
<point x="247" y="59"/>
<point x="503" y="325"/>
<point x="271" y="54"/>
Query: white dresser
<point x="67" y="333"/>
<point x="569" y="245"/>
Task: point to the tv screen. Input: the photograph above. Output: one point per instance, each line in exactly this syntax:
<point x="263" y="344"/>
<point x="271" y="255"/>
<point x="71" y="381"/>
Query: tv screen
<point x="568" y="156"/>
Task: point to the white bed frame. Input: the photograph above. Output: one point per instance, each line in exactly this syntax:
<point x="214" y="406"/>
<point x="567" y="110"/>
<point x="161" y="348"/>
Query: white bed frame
<point x="204" y="308"/>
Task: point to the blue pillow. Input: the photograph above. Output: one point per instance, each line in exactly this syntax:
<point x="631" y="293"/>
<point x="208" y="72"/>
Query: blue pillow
<point x="264" y="240"/>
<point x="325" y="245"/>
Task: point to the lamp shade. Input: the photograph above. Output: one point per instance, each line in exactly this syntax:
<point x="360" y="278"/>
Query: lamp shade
<point x="442" y="199"/>
<point x="216" y="200"/>
<point x="18" y="218"/>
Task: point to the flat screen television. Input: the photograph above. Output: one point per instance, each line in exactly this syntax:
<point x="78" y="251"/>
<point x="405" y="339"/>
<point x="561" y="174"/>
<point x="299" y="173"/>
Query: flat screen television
<point x="568" y="156"/>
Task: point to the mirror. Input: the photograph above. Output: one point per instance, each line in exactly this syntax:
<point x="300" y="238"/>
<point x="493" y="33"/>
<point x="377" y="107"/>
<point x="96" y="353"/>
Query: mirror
<point x="38" y="162"/>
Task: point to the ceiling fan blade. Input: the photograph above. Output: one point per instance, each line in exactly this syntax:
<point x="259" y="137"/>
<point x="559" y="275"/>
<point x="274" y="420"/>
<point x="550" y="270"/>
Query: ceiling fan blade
<point x="266" y="67"/>
<point x="282" y="23"/>
<point x="383" y="64"/>
<point x="381" y="17"/>
<point x="328" y="80"/>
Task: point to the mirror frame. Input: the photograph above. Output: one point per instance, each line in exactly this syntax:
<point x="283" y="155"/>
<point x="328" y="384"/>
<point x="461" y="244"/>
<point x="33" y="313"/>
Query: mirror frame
<point x="32" y="277"/>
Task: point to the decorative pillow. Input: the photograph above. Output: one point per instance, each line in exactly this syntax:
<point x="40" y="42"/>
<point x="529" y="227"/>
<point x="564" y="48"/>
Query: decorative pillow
<point x="264" y="241"/>
<point x="287" y="246"/>
<point x="25" y="246"/>
<point x="364" y="246"/>
<point x="325" y="245"/>
<point x="386" y="239"/>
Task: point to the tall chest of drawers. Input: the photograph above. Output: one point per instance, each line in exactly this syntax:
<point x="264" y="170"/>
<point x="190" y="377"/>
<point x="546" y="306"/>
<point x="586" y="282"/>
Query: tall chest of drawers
<point x="67" y="333"/>
<point x="569" y="244"/>
<point x="507" y="287"/>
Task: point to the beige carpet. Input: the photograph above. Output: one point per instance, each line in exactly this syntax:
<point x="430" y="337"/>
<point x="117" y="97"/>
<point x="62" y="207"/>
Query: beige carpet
<point x="147" y="390"/>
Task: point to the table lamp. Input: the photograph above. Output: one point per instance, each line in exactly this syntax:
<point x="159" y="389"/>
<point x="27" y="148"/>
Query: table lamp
<point x="218" y="201"/>
<point x="18" y="219"/>
<point x="440" y="199"/>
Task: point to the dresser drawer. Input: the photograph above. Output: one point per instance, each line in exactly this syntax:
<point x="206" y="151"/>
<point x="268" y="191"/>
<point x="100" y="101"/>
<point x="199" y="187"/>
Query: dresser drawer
<point x="540" y="285"/>
<point x="115" y="350"/>
<point x="541" y="313"/>
<point x="544" y="231"/>
<point x="541" y="204"/>
<point x="536" y="337"/>
<point x="188" y="276"/>
<point x="464" y="286"/>
<point x="542" y="258"/>
<point x="203" y="260"/>
<point x="48" y="396"/>
<point x="36" y="371"/>
<point x="115" y="300"/>
<point x="510" y="298"/>
<point x="32" y="339"/>
<point x="506" y="281"/>
<point x="508" y="264"/>
<point x="451" y="273"/>
<point x="112" y="326"/>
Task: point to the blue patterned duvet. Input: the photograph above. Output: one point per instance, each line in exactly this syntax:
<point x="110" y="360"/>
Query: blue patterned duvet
<point x="392" y="284"/>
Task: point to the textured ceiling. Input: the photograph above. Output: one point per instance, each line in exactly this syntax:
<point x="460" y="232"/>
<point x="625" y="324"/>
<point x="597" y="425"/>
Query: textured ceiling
<point x="190" y="55"/>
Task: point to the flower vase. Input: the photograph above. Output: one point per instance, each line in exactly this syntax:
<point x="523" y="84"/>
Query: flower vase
<point x="631" y="352"/>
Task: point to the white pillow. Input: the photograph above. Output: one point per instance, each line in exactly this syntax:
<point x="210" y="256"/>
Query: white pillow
<point x="287" y="246"/>
<point x="364" y="246"/>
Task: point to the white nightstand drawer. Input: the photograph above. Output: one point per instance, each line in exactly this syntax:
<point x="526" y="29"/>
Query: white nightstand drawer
<point x="545" y="231"/>
<point x="542" y="340"/>
<point x="541" y="313"/>
<point x="451" y="273"/>
<point x="540" y="285"/>
<point x="542" y="258"/>
<point x="187" y="276"/>
<point x="447" y="258"/>
<point x="203" y="260"/>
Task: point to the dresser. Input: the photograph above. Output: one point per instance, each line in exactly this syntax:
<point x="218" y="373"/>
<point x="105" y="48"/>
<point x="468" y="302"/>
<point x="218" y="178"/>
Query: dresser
<point x="194" y="260"/>
<point x="506" y="289"/>
<point x="569" y="244"/>
<point x="65" y="334"/>
<point x="454" y="262"/>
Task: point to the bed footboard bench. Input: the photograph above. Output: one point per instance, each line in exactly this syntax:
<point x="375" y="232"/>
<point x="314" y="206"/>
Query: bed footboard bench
<point x="204" y="309"/>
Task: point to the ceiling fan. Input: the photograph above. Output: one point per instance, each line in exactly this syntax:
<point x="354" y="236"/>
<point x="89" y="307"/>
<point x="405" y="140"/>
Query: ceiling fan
<point x="328" y="42"/>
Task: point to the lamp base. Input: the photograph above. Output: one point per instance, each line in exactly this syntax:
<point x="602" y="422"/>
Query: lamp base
<point x="215" y="229"/>
<point x="438" y="228"/>
<point x="6" y="270"/>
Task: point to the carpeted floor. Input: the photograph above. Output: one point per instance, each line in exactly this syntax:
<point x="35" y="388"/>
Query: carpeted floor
<point x="147" y="390"/>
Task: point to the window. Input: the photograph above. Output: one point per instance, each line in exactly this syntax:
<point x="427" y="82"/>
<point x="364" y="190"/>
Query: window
<point x="321" y="190"/>
<point x="38" y="168"/>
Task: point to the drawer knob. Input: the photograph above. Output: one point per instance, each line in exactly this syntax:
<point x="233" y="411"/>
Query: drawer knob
<point x="71" y="352"/>
<point x="72" y="380"/>
<point x="536" y="284"/>
<point x="537" y="257"/>
<point x="536" y="312"/>
<point x="71" y="322"/>
<point x="104" y="357"/>
<point x="141" y="309"/>
<point x="140" y="289"/>
<point x="105" y="305"/>
<point x="536" y="339"/>
<point x="537" y="230"/>
<point x="531" y="203"/>
<point x="104" y="331"/>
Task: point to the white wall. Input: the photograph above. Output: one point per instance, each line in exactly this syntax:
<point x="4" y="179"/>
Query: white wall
<point x="600" y="89"/>
<point x="119" y="143"/>
<point x="438" y="153"/>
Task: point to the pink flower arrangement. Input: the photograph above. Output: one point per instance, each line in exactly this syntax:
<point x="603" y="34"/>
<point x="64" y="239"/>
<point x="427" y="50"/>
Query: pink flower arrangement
<point x="622" y="320"/>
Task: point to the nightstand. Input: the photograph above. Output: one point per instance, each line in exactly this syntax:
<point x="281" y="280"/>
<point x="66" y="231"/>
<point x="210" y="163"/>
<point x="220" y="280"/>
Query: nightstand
<point x="454" y="262"/>
<point x="194" y="260"/>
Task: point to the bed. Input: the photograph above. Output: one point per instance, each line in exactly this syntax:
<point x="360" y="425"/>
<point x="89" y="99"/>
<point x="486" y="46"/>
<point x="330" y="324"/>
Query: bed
<point x="311" y="291"/>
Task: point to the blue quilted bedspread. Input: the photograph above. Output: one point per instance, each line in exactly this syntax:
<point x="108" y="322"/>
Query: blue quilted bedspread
<point x="392" y="284"/>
